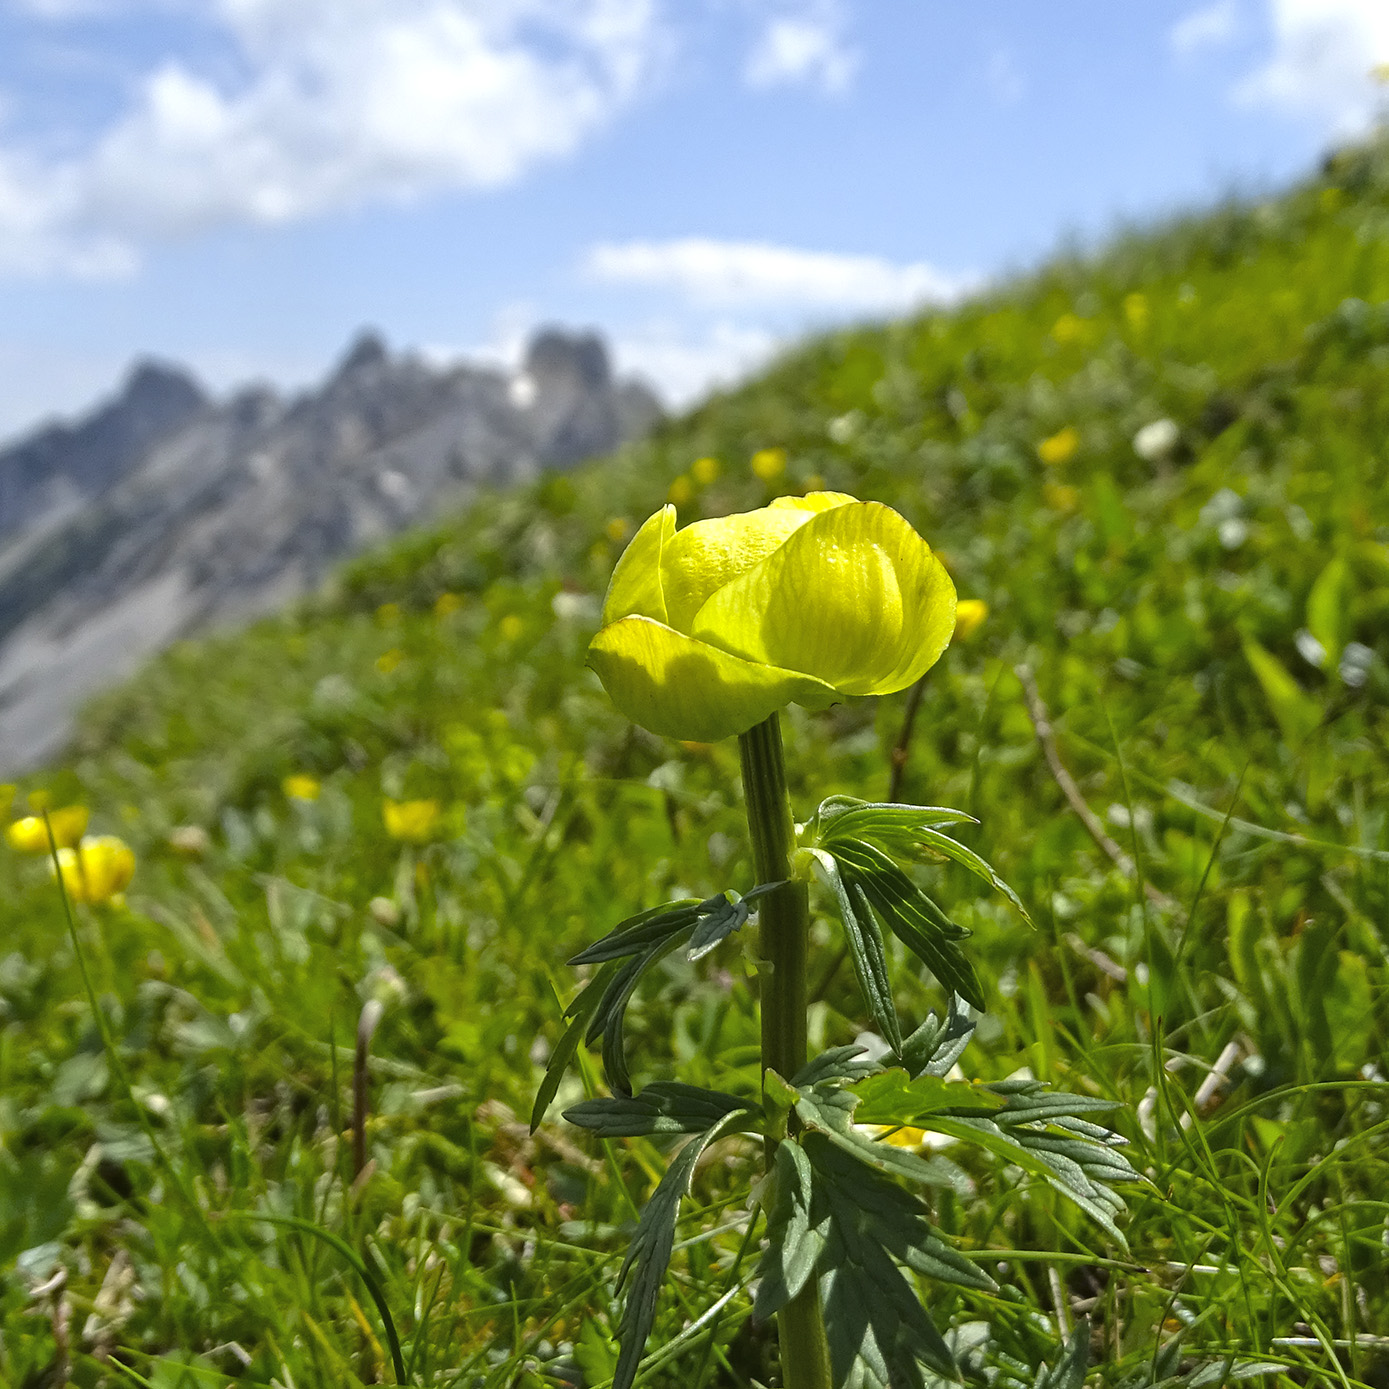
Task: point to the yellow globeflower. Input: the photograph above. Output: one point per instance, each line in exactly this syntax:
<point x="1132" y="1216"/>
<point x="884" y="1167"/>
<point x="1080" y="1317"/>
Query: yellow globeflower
<point x="30" y="836"/>
<point x="769" y="464"/>
<point x="705" y="470"/>
<point x="710" y="629"/>
<point x="1061" y="447"/>
<point x="969" y="617"/>
<point x="98" y="869"/>
<point x="413" y="821"/>
<point x="301" y="787"/>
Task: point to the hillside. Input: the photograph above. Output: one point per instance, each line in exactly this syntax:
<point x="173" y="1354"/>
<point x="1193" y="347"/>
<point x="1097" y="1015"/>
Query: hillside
<point x="164" y="512"/>
<point x="1164" y="467"/>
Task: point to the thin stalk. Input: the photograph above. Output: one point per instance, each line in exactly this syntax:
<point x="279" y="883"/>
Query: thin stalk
<point x="784" y="917"/>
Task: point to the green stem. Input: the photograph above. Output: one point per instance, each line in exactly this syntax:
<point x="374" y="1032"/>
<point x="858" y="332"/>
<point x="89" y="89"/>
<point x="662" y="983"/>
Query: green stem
<point x="784" y="917"/>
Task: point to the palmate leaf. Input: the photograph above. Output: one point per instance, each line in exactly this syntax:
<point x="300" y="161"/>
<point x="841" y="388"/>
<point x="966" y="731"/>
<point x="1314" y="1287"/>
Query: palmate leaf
<point x="838" y="1063"/>
<point x="938" y="1043"/>
<point x="649" y="1254"/>
<point x="873" y="880"/>
<point x="795" y="1233"/>
<point x="663" y="1107"/>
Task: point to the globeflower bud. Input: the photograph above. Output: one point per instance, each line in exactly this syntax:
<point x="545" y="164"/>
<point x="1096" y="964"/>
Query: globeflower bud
<point x="30" y="835"/>
<point x="711" y="629"/>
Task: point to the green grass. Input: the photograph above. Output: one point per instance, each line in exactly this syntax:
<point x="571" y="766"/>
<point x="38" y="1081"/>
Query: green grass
<point x="1159" y="604"/>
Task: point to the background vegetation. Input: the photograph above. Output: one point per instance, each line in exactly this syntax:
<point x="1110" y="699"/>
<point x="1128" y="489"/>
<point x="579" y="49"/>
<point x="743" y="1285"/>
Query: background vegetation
<point x="1207" y="617"/>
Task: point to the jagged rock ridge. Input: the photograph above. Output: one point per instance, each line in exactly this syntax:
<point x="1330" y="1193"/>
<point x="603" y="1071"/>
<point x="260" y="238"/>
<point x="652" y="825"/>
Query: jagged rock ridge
<point x="163" y="512"/>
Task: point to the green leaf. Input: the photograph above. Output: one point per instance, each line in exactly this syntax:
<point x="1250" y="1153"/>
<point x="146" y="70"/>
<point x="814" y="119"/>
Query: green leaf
<point x="830" y="1110"/>
<point x="1298" y="714"/>
<point x="795" y="1235"/>
<point x="873" y="879"/>
<point x="849" y="817"/>
<point x="611" y="1013"/>
<point x="938" y="1043"/>
<point x="579" y="1011"/>
<point x="839" y="1063"/>
<point x="663" y="1107"/>
<point x="638" y="933"/>
<point x="718" y="919"/>
<point x="649" y="1255"/>
<point x="865" y="943"/>
<point x="967" y="858"/>
<point x="1069" y="1371"/>
<point x="894" y="1098"/>
<point x="1328" y="609"/>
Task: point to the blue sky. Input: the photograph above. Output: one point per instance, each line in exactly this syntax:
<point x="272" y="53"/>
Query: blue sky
<point x="241" y="184"/>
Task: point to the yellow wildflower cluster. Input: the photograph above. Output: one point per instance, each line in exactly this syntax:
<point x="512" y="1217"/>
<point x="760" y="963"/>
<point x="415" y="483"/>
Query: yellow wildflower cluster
<point x="97" y="870"/>
<point x="413" y="822"/>
<point x="30" y="835"/>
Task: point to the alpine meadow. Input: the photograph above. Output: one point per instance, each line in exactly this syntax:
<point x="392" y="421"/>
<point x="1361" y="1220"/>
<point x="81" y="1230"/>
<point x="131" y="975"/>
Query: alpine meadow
<point x="287" y="1040"/>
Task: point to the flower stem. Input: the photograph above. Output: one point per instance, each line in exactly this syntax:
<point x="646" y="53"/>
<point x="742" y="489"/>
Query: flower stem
<point x="784" y="917"/>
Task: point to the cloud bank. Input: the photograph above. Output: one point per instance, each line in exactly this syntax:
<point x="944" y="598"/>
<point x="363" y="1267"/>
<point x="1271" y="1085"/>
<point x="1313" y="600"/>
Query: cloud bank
<point x="341" y="102"/>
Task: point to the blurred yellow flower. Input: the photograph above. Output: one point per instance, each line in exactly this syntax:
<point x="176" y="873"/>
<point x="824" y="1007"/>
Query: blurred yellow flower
<point x="814" y="483"/>
<point x="969" y="617"/>
<point x="1060" y="447"/>
<point x="301" y="787"/>
<point x="98" y="870"/>
<point x="1060" y="497"/>
<point x="618" y="529"/>
<point x="1070" y="330"/>
<point x="40" y="800"/>
<point x="447" y="603"/>
<point x="388" y="613"/>
<point x="30" y="835"/>
<point x="511" y="627"/>
<point x="387" y="661"/>
<point x="412" y="821"/>
<point x="1136" y="311"/>
<point x="705" y="470"/>
<point x="768" y="464"/>
<point x="681" y="492"/>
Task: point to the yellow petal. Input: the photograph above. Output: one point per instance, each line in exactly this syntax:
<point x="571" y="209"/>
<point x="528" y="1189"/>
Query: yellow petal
<point x="854" y="597"/>
<point x="706" y="555"/>
<point x="672" y="684"/>
<point x="635" y="588"/>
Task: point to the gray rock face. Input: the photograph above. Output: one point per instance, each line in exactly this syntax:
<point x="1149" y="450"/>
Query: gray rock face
<point x="164" y="512"/>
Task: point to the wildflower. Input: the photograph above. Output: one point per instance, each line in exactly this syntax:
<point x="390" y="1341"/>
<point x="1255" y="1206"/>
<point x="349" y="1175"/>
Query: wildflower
<point x="1155" y="441"/>
<point x="192" y="841"/>
<point x="705" y="470"/>
<point x="447" y="603"/>
<point x="412" y="821"/>
<point x="98" y="870"/>
<point x="618" y="529"/>
<point x="1069" y="330"/>
<point x="387" y="661"/>
<point x="710" y="629"/>
<point x="768" y="464"/>
<point x="511" y="627"/>
<point x="681" y="492"/>
<point x="969" y="617"/>
<point x="1060" y="447"/>
<point x="300" y="786"/>
<point x="1060" y="497"/>
<point x="30" y="835"/>
<point x="1136" y="311"/>
<point x="388" y="614"/>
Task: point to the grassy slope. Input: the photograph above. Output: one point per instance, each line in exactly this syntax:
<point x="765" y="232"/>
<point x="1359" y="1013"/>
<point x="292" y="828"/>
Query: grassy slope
<point x="235" y="978"/>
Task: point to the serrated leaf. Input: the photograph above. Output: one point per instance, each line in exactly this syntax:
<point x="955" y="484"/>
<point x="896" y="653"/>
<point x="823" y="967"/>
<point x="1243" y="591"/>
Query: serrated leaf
<point x="579" y="1011"/>
<point x="967" y="858"/>
<point x="638" y="933"/>
<point x="893" y="1098"/>
<point x="663" y="1107"/>
<point x="830" y="1109"/>
<point x="866" y="952"/>
<point x="649" y="1254"/>
<point x="938" y="1043"/>
<point x="1069" y="1371"/>
<point x="611" y="1015"/>
<point x="718" y="918"/>
<point x="795" y="1237"/>
<point x="838" y="1063"/>
<point x="875" y="880"/>
<point x="847" y="815"/>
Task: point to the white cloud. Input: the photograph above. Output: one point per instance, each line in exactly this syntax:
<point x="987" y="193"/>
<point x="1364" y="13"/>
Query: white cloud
<point x="345" y="102"/>
<point x="684" y="362"/>
<point x="1324" y="54"/>
<point x="804" y="48"/>
<point x="1209" y="27"/>
<point x="710" y="272"/>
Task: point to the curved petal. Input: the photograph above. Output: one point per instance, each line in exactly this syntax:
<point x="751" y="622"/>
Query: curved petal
<point x="704" y="556"/>
<point x="854" y="597"/>
<point x="635" y="586"/>
<point x="672" y="684"/>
